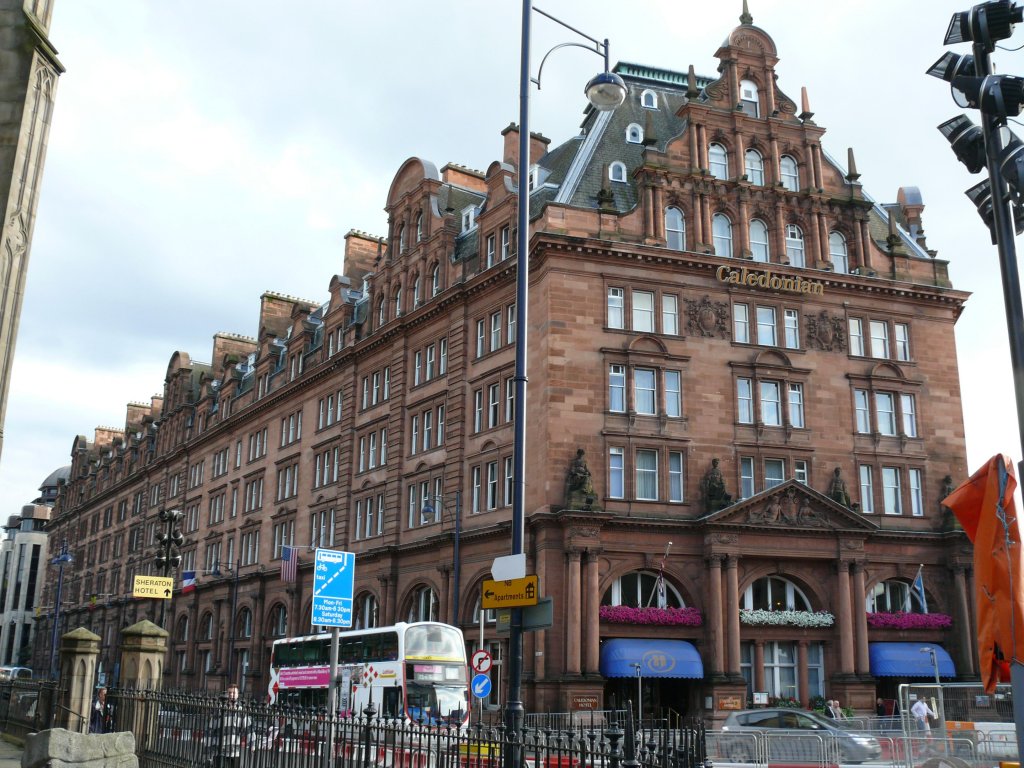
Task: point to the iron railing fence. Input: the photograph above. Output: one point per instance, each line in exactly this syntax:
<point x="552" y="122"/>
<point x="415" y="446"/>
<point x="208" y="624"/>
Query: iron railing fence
<point x="27" y="706"/>
<point x="176" y="730"/>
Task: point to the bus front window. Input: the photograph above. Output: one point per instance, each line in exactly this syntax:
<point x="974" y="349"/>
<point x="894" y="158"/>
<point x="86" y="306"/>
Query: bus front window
<point x="431" y="704"/>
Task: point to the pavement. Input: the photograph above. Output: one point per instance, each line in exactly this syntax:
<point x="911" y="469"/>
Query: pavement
<point x="10" y="754"/>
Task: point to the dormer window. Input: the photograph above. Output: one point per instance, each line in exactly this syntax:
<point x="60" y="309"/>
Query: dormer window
<point x="468" y="218"/>
<point x="534" y="177"/>
<point x="718" y="161"/>
<point x="649" y="100"/>
<point x="634" y="134"/>
<point x="749" y="101"/>
<point x="617" y="171"/>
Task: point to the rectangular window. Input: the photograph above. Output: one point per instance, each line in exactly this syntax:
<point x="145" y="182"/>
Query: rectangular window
<point x="616" y="473"/>
<point x="440" y="425"/>
<point x="856" y="336"/>
<point x="741" y="323"/>
<point x="867" y="490"/>
<point x="510" y="399"/>
<point x="879" y="339"/>
<point x="916" y="494"/>
<point x="417" y="369"/>
<point x="644" y="391"/>
<point x="387" y="389"/>
<point x="862" y="411"/>
<point x="647" y="475"/>
<point x="673" y="394"/>
<point x="442" y="358"/>
<point x="774" y="472"/>
<point x="796" y="405"/>
<point x="492" y="485"/>
<point x="891" y="491"/>
<point x="430" y="363"/>
<point x="771" y="407"/>
<point x="908" y="406"/>
<point x="616" y="388"/>
<point x="490" y="250"/>
<point x="493" y="405"/>
<point x="415" y="434"/>
<point x="428" y="429"/>
<point x="746" y="477"/>
<point x="885" y="410"/>
<point x="792" y="321"/>
<point x="383" y="451"/>
<point x="373" y="450"/>
<point x="375" y="397"/>
<point x="475" y="499"/>
<point x="744" y="401"/>
<point x="766" y="326"/>
<point x="643" y="311"/>
<point x="669" y="315"/>
<point x="800" y="473"/>
<point x="902" y="341"/>
<point x="508" y="481"/>
<point x="495" y="331"/>
<point x="675" y="476"/>
<point x="510" y="325"/>
<point x="478" y="410"/>
<point x="506" y="243"/>
<point x="366" y="392"/>
<point x="481" y="337"/>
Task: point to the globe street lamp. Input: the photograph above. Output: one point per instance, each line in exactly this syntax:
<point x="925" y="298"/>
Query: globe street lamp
<point x="606" y="91"/>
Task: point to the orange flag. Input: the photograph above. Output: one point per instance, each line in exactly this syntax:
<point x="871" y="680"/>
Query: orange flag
<point x="985" y="508"/>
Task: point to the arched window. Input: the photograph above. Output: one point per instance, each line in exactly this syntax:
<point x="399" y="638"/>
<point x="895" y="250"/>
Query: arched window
<point x="774" y="593"/>
<point x="893" y="596"/>
<point x="838" y="254"/>
<point x="795" y="245"/>
<point x="642" y="589"/>
<point x="401" y="238"/>
<point x="181" y="631"/>
<point x="490" y="615"/>
<point x="416" y="292"/>
<point x="419" y="227"/>
<point x="435" y="280"/>
<point x="790" y="173"/>
<point x="243" y="628"/>
<point x="675" y="229"/>
<point x="718" y="161"/>
<point x="423" y="605"/>
<point x="279" y="621"/>
<point x="759" y="241"/>
<point x="754" y="167"/>
<point x="398" y="301"/>
<point x="634" y="134"/>
<point x="721" y="233"/>
<point x="366" y="612"/>
<point x="617" y="171"/>
<point x="649" y="99"/>
<point x="749" y="100"/>
<point x="206" y="623"/>
<point x="380" y="312"/>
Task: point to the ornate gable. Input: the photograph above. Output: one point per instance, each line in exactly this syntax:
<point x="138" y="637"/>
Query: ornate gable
<point x="791" y="505"/>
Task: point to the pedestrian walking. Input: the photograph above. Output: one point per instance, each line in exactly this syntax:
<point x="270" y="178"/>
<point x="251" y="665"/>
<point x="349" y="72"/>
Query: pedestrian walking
<point x="231" y="726"/>
<point x="921" y="712"/>
<point x="101" y="719"/>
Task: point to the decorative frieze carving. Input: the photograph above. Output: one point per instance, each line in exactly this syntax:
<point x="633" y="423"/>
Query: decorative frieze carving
<point x="826" y="332"/>
<point x="708" y="318"/>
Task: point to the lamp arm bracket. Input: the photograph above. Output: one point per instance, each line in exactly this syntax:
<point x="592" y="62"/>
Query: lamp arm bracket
<point x="540" y="69"/>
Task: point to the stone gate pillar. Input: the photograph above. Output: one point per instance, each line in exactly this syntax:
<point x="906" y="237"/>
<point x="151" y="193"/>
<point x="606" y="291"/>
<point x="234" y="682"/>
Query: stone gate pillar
<point x="143" y="650"/>
<point x="79" y="650"/>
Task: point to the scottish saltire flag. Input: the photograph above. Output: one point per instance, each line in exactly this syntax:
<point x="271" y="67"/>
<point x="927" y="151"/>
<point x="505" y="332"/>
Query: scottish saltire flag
<point x="919" y="588"/>
<point x="289" y="563"/>
<point x="188" y="582"/>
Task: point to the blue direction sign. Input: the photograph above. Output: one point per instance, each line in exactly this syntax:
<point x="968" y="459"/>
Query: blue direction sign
<point x="481" y="686"/>
<point x="333" y="574"/>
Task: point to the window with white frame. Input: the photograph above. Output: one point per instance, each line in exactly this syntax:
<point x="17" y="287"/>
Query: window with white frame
<point x="774" y="472"/>
<point x="856" y="327"/>
<point x="791" y="335"/>
<point x="750" y="102"/>
<point x="510" y="324"/>
<point x="759" y="248"/>
<point x="397" y="303"/>
<point x="789" y="173"/>
<point x="795" y="245"/>
<point x="634" y="134"/>
<point x="469" y="218"/>
<point x="774" y="593"/>
<point x="491" y="250"/>
<point x="902" y="338"/>
<point x="879" y="338"/>
<point x="669" y="314"/>
<point x="838" y="254"/>
<point x="417" y="299"/>
<point x="675" y="476"/>
<point x="493" y="405"/>
<point x="675" y="229"/>
<point x="478" y="410"/>
<point x="908" y="411"/>
<point x="741" y="323"/>
<point x="435" y="280"/>
<point x="642" y="589"/>
<point x="643" y="311"/>
<point x="916" y="493"/>
<point x="423" y="605"/>
<point x="754" y="167"/>
<point x="646" y="475"/>
<point x="796" y="405"/>
<point x="616" y="473"/>
<point x="419" y="227"/>
<point x="645" y="391"/>
<point x="616" y="308"/>
<point x="885" y="412"/>
<point x="649" y="99"/>
<point x="766" y="336"/>
<point x="646" y="398"/>
<point x="321" y="526"/>
<point x="506" y="242"/>
<point x="718" y="161"/>
<point x="481" y="337"/>
<point x="867" y="489"/>
<point x="495" y="331"/>
<point x="862" y="411"/>
<point x="617" y="171"/>
<point x="894" y="596"/>
<point x="892" y="492"/>
<point x="771" y="404"/>
<point x="746" y="477"/>
<point x="769" y="408"/>
<point x="800" y="471"/>
<point x="721" y="235"/>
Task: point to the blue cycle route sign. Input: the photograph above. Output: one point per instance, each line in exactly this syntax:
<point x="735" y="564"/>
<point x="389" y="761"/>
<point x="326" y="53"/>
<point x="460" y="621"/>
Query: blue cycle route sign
<point x="333" y="577"/>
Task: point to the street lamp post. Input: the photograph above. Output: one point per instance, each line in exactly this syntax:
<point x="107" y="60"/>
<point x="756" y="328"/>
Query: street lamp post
<point x="639" y="695"/>
<point x="938" y="685"/>
<point x="429" y="511"/>
<point x="60" y="561"/>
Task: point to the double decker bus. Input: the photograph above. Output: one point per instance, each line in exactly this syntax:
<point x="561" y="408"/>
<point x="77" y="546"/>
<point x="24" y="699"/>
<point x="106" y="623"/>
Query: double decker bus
<point x="416" y="671"/>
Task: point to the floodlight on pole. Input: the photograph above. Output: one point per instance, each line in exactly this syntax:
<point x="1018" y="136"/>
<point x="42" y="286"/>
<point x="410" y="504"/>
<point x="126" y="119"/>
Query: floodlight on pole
<point x="967" y="142"/>
<point x="1001" y="96"/>
<point x="984" y="24"/>
<point x="952" y="65"/>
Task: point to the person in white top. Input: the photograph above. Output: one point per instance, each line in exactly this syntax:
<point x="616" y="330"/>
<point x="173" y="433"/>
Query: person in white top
<point x="921" y="712"/>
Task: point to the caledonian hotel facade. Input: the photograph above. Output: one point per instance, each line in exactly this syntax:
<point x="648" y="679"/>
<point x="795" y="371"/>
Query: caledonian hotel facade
<point x="756" y="360"/>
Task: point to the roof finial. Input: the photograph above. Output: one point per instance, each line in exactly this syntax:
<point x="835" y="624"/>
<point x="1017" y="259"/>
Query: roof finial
<point x="851" y="174"/>
<point x="691" y="84"/>
<point x="805" y="105"/>
<point x="745" y="17"/>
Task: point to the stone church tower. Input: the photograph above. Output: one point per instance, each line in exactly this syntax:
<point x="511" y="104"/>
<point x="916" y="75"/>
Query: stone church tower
<point x="28" y="83"/>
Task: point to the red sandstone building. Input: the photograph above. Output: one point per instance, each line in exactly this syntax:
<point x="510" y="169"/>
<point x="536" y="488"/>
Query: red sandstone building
<point x="706" y="284"/>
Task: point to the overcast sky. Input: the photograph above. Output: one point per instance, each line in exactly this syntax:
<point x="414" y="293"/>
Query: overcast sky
<point x="204" y="151"/>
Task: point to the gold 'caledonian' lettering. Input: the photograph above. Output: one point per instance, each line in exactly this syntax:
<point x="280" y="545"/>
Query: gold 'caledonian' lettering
<point x="768" y="279"/>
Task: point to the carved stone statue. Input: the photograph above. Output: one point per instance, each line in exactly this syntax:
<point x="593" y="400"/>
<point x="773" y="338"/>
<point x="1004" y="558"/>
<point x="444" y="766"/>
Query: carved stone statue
<point x="837" y="491"/>
<point x="712" y="488"/>
<point x="947" y="486"/>
<point x="580" y="493"/>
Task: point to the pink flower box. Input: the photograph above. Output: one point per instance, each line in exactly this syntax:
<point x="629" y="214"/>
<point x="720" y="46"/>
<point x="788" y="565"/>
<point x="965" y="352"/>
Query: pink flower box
<point x="901" y="620"/>
<point x="623" y="614"/>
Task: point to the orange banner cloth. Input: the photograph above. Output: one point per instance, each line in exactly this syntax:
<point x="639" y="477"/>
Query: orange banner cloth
<point x="985" y="508"/>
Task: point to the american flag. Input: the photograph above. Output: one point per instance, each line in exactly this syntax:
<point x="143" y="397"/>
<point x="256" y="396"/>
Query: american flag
<point x="289" y="563"/>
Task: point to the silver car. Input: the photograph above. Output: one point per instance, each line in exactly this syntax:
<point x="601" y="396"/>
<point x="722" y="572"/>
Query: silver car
<point x="792" y="735"/>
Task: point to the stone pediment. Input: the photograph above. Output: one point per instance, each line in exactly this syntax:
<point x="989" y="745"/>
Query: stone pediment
<point x="792" y="505"/>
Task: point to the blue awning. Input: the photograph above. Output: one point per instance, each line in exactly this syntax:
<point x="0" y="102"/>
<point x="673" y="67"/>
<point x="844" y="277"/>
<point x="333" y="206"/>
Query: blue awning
<point x="909" y="660"/>
<point x="657" y="658"/>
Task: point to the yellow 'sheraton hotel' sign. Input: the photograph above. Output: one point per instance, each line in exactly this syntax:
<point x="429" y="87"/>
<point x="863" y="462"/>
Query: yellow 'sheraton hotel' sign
<point x="768" y="279"/>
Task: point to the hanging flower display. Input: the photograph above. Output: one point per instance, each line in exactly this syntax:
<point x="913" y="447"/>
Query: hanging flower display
<point x="787" y="618"/>
<point x="901" y="620"/>
<point x="623" y="614"/>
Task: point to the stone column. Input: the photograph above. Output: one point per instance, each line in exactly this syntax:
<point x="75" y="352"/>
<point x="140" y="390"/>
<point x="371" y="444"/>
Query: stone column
<point x="659" y="213"/>
<point x="715" y="628"/>
<point x="758" y="661"/>
<point x="845" y="621"/>
<point x="863" y="244"/>
<point x="742" y="233"/>
<point x="968" y="656"/>
<point x="79" y="650"/>
<point x="648" y="208"/>
<point x="803" y="679"/>
<point x="592" y="620"/>
<point x="860" y="618"/>
<point x="732" y="598"/>
<point x="572" y="607"/>
<point x="143" y="650"/>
